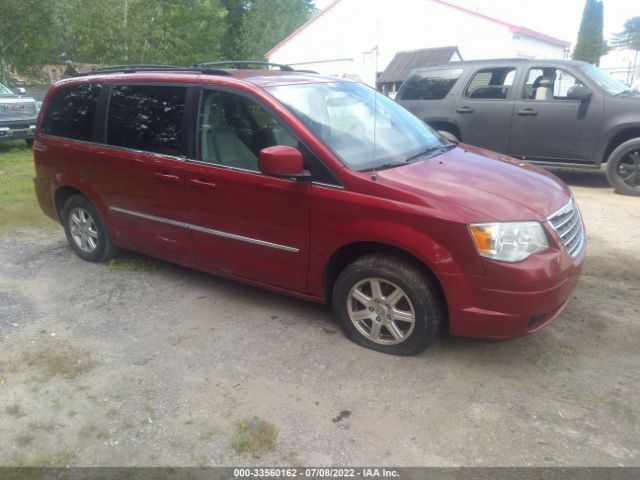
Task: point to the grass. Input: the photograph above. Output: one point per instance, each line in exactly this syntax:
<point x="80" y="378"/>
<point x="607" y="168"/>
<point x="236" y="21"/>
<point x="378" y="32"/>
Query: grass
<point x="15" y="410"/>
<point x="132" y="262"/>
<point x="255" y="436"/>
<point x="59" y="362"/>
<point x="18" y="204"/>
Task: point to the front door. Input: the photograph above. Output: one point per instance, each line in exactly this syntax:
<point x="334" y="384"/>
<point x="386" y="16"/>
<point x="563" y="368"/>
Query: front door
<point x="245" y="223"/>
<point x="549" y="126"/>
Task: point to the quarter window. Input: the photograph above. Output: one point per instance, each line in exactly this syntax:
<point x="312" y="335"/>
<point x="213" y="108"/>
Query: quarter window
<point x="491" y="83"/>
<point x="145" y="117"/>
<point x="71" y="112"/>
<point x="234" y="129"/>
<point x="431" y="84"/>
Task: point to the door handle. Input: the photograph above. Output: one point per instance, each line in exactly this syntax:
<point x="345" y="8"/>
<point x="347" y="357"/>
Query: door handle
<point x="202" y="184"/>
<point x="464" y="110"/>
<point x="527" y="112"/>
<point x="167" y="177"/>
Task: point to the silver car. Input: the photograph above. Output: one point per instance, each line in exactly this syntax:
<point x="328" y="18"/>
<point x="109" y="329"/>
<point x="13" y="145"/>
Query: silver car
<point x="18" y="115"/>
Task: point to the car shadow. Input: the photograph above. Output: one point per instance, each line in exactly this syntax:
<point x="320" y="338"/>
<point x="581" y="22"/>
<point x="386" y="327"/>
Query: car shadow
<point x="583" y="178"/>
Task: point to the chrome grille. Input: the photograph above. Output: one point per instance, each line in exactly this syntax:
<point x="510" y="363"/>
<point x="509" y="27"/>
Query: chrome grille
<point x="17" y="111"/>
<point x="568" y="225"/>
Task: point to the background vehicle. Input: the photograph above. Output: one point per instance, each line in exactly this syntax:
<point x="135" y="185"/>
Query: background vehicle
<point x="556" y="113"/>
<point x="18" y="115"/>
<point x="273" y="178"/>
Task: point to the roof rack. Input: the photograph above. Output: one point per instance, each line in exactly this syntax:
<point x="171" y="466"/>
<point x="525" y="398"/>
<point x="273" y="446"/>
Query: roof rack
<point x="134" y="68"/>
<point x="245" y="64"/>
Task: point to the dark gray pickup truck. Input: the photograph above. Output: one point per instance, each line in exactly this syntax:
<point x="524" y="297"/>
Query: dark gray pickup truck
<point x="556" y="113"/>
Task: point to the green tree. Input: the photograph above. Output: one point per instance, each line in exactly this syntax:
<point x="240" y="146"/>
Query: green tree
<point x="591" y="45"/>
<point x="630" y="36"/>
<point x="267" y="22"/>
<point x="25" y="27"/>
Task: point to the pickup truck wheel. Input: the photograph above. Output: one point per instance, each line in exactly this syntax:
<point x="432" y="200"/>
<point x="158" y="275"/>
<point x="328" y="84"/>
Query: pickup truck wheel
<point x="85" y="230"/>
<point x="387" y="304"/>
<point x="29" y="142"/>
<point x="623" y="168"/>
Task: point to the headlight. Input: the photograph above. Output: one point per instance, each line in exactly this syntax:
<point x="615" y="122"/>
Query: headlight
<point x="508" y="242"/>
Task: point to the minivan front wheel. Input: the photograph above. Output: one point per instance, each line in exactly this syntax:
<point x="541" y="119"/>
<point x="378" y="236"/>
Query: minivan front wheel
<point x="85" y="230"/>
<point x="623" y="168"/>
<point x="386" y="304"/>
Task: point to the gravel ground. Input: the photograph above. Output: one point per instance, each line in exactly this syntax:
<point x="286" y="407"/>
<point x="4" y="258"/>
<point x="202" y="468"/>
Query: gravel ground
<point x="146" y="363"/>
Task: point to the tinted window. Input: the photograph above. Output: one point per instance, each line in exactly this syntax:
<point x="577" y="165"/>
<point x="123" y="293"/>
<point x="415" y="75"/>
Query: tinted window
<point x="431" y="85"/>
<point x="148" y="118"/>
<point x="71" y="112"/>
<point x="491" y="83"/>
<point x="548" y="84"/>
<point x="235" y="129"/>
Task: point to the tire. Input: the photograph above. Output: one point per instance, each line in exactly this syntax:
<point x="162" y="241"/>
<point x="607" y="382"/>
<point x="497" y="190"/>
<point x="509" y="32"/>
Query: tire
<point x="85" y="230"/>
<point x="449" y="136"/>
<point x="29" y="142"/>
<point x="362" y="316"/>
<point x="623" y="168"/>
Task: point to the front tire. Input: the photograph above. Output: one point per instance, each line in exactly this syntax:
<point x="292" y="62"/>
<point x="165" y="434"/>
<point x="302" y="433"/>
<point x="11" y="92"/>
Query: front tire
<point x="623" y="168"/>
<point x="387" y="304"/>
<point x="85" y="230"/>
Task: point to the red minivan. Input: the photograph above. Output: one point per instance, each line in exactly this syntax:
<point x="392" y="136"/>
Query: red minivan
<point x="311" y="186"/>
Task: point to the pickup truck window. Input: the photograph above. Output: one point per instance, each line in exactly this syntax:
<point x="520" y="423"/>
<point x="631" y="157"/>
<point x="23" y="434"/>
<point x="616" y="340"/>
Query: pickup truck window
<point x="548" y="84"/>
<point x="491" y="83"/>
<point x="431" y="84"/>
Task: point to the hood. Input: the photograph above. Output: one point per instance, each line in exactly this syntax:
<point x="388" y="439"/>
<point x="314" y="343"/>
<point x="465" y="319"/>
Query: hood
<point x="481" y="185"/>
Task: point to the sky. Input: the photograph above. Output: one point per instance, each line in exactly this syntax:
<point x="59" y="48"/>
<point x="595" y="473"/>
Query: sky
<point x="558" y="18"/>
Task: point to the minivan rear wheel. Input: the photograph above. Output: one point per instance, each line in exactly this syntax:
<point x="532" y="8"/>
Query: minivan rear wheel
<point x="85" y="230"/>
<point x="387" y="304"/>
<point x="623" y="168"/>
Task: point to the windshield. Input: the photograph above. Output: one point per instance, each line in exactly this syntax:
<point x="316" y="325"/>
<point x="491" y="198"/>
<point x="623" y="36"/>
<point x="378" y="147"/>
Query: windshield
<point x="343" y="116"/>
<point x="4" y="90"/>
<point x="611" y="85"/>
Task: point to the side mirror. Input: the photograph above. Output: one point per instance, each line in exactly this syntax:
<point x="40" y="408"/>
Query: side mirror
<point x="21" y="90"/>
<point x="282" y="161"/>
<point x="578" y="92"/>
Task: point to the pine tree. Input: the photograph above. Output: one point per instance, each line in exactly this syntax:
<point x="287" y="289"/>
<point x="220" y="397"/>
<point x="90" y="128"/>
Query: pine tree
<point x="591" y="45"/>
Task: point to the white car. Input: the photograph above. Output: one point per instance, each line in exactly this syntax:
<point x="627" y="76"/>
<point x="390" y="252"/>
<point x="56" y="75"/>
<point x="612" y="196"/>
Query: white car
<point x="18" y="115"/>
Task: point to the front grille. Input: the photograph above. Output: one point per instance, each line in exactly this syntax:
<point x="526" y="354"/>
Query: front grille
<point x="18" y="111"/>
<point x="568" y="225"/>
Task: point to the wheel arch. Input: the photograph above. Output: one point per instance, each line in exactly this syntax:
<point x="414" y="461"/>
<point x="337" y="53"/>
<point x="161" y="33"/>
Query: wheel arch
<point x="623" y="135"/>
<point x="446" y="126"/>
<point x="346" y="254"/>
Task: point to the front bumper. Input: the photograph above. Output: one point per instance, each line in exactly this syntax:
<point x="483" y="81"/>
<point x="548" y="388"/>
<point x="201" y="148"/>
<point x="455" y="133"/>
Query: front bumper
<point x="512" y="300"/>
<point x="18" y="130"/>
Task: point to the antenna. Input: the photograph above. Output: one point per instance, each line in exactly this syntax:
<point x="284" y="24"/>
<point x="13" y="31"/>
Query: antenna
<point x="374" y="176"/>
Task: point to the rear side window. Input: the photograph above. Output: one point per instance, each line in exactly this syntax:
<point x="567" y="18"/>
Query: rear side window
<point x="146" y="117"/>
<point x="431" y="85"/>
<point x="491" y="83"/>
<point x="71" y="112"/>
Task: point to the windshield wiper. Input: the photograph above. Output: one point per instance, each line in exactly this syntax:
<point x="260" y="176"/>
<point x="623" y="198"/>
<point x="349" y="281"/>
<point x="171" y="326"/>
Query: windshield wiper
<point x="431" y="152"/>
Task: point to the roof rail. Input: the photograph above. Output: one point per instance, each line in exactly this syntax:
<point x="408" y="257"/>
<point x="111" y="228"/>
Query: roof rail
<point x="245" y="64"/>
<point x="134" y="68"/>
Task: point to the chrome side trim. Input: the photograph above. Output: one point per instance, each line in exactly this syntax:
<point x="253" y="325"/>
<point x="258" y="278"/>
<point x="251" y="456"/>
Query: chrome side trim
<point x="210" y="231"/>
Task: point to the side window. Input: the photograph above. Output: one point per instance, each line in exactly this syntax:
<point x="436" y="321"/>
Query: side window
<point x="145" y="117"/>
<point x="491" y="83"/>
<point x="431" y="84"/>
<point x="71" y="112"/>
<point x="234" y="129"/>
<point x="548" y="84"/>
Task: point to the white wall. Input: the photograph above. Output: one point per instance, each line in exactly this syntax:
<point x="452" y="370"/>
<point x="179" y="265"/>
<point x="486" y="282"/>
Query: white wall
<point x="343" y="40"/>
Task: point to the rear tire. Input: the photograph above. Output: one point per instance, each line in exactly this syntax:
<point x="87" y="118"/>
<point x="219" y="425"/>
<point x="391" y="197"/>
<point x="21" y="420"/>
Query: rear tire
<point x="385" y="303"/>
<point x="85" y="230"/>
<point x="623" y="168"/>
<point x="29" y="142"/>
<point x="449" y="136"/>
